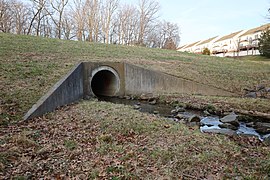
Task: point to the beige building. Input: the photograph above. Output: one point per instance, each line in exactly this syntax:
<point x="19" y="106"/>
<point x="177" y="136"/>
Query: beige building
<point x="248" y="41"/>
<point x="240" y="43"/>
<point x="190" y="47"/>
<point x="226" y="43"/>
<point x="206" y="44"/>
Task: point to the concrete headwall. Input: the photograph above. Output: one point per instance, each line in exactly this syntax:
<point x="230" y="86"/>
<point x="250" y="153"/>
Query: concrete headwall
<point x="139" y="80"/>
<point x="65" y="91"/>
<point x="89" y="69"/>
<point x="114" y="79"/>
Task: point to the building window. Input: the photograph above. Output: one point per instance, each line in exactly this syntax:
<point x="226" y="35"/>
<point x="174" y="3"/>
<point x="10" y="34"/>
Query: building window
<point x="256" y="36"/>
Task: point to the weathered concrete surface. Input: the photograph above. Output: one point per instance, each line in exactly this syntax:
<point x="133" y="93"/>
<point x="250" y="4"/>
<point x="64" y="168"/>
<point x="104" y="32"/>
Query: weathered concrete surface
<point x="105" y="82"/>
<point x="114" y="79"/>
<point x="91" y="69"/>
<point x="65" y="91"/>
<point x="139" y="80"/>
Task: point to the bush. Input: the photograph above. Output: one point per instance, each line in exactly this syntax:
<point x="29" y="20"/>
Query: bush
<point x="206" y="51"/>
<point x="169" y="44"/>
<point x="264" y="43"/>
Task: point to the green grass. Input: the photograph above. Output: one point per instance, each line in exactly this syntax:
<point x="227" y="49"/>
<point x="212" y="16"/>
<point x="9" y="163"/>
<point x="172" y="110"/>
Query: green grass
<point x="221" y="104"/>
<point x="70" y="144"/>
<point x="101" y="140"/>
<point x="30" y="65"/>
<point x="254" y="58"/>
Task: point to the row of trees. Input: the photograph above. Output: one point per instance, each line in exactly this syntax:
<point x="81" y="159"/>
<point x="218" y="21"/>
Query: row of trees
<point x="106" y="21"/>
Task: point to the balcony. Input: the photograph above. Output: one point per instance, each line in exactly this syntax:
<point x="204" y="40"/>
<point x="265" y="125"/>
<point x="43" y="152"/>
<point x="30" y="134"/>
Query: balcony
<point x="248" y="47"/>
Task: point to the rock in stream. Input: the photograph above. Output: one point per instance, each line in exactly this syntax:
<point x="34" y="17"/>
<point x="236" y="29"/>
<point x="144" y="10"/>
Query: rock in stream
<point x="231" y="119"/>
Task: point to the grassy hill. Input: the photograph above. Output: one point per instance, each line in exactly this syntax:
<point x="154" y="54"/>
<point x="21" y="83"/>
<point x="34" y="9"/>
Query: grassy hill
<point x="101" y="140"/>
<point x="30" y="65"/>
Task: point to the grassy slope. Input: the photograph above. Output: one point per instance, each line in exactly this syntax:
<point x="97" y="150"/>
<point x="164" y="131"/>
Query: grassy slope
<point x="29" y="66"/>
<point x="119" y="141"/>
<point x="229" y="74"/>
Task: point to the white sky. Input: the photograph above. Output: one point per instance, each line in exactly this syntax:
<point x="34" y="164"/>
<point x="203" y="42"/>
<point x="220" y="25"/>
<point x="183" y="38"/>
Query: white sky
<point x="203" y="19"/>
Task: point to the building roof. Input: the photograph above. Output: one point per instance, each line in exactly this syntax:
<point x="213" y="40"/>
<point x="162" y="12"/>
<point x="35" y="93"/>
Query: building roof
<point x="190" y="45"/>
<point x="229" y="36"/>
<point x="257" y="29"/>
<point x="181" y="47"/>
<point x="207" y="41"/>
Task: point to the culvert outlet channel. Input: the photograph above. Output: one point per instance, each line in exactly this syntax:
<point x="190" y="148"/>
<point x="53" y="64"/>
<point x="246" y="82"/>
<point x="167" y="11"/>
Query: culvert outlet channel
<point x="105" y="82"/>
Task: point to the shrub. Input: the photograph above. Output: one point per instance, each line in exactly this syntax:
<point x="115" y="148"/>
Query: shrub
<point x="264" y="43"/>
<point x="206" y="51"/>
<point x="169" y="44"/>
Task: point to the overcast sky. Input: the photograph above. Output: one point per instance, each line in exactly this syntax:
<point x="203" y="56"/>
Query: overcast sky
<point x="203" y="19"/>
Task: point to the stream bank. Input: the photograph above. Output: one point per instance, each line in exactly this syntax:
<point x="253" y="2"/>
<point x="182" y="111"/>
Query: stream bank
<point x="209" y="121"/>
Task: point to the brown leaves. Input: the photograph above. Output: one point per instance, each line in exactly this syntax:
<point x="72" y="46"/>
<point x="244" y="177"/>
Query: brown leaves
<point x="22" y="140"/>
<point x="86" y="141"/>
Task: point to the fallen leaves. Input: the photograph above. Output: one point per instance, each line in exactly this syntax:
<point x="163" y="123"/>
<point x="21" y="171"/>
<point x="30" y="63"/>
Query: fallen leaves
<point x="86" y="141"/>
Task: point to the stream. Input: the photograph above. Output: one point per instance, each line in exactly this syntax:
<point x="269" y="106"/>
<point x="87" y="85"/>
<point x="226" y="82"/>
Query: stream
<point x="208" y="123"/>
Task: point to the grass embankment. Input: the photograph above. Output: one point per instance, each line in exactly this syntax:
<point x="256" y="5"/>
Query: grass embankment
<point x="93" y="139"/>
<point x="31" y="65"/>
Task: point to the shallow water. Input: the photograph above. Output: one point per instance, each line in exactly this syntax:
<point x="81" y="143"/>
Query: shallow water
<point x="162" y="109"/>
<point x="213" y="122"/>
<point x="208" y="123"/>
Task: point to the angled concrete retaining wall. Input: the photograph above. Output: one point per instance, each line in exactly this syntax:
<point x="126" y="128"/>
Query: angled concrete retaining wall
<point x="114" y="79"/>
<point x="140" y="80"/>
<point x="65" y="91"/>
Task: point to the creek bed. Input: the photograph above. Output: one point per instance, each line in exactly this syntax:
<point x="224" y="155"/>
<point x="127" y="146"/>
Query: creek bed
<point x="208" y="123"/>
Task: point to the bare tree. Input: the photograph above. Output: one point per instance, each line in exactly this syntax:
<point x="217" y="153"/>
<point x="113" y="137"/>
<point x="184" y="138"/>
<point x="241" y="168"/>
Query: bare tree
<point x="68" y="27"/>
<point x="46" y="27"/>
<point x="154" y="37"/>
<point x="164" y="34"/>
<point x="5" y="16"/>
<point x="127" y="20"/>
<point x="93" y="19"/>
<point x="108" y="9"/>
<point x="38" y="11"/>
<point x="78" y="12"/>
<point x="148" y="10"/>
<point x="58" y="6"/>
<point x="20" y="13"/>
<point x="170" y="34"/>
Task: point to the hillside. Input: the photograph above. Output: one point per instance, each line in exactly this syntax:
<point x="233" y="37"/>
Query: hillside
<point x="31" y="65"/>
<point x="92" y="139"/>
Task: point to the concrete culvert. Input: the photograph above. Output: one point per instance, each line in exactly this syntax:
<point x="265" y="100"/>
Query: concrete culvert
<point x="105" y="82"/>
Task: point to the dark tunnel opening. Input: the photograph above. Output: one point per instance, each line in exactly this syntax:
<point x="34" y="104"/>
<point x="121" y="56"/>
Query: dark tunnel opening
<point x="105" y="83"/>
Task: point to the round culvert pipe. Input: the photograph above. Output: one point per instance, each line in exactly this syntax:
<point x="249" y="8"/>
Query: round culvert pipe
<point x="105" y="81"/>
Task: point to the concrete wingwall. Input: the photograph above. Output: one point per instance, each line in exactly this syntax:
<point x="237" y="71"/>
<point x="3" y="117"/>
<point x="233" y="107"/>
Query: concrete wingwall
<point x="65" y="91"/>
<point x="140" y="80"/>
